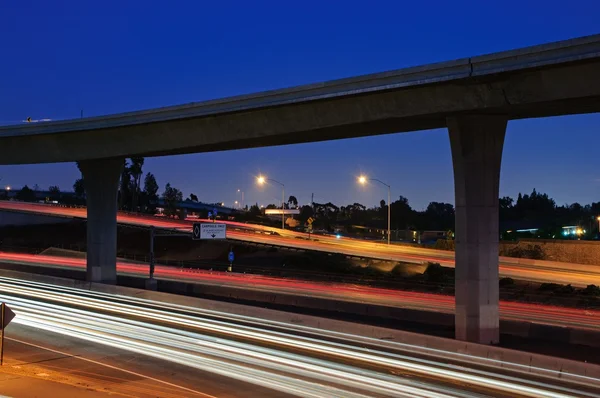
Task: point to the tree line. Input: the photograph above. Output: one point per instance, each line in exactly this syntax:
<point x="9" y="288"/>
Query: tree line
<point x="537" y="212"/>
<point x="132" y="195"/>
<point x="528" y="211"/>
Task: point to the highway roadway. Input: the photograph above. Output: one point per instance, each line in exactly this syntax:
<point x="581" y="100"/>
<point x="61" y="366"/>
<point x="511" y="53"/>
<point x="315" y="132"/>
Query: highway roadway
<point x="241" y="354"/>
<point x="516" y="268"/>
<point x="542" y="314"/>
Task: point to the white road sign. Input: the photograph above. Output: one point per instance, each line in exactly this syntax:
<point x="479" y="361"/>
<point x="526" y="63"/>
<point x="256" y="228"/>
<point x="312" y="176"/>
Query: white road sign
<point x="213" y="231"/>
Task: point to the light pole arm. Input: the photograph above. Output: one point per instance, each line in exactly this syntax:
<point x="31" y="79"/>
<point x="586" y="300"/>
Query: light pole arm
<point x="275" y="181"/>
<point x="381" y="182"/>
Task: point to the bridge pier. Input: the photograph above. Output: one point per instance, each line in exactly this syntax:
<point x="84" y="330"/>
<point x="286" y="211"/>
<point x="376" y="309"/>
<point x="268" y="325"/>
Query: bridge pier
<point x="101" y="186"/>
<point x="476" y="143"/>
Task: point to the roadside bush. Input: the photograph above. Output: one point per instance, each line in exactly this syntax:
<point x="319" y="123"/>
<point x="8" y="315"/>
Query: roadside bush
<point x="549" y="287"/>
<point x="435" y="273"/>
<point x="504" y="282"/>
<point x="399" y="270"/>
<point x="444" y="244"/>
<point x="533" y="252"/>
<point x="591" y="290"/>
<point x="566" y="290"/>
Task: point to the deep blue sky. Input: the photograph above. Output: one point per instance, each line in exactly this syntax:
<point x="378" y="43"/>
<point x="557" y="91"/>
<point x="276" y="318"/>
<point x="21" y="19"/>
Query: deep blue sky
<point x="58" y="57"/>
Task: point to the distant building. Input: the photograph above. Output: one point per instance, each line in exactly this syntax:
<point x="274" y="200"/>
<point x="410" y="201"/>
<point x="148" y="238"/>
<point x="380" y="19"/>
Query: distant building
<point x="573" y="231"/>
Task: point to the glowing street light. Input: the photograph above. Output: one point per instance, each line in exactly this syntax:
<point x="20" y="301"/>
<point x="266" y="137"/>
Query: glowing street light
<point x="261" y="180"/>
<point x="8" y="188"/>
<point x="363" y="181"/>
<point x="242" y="202"/>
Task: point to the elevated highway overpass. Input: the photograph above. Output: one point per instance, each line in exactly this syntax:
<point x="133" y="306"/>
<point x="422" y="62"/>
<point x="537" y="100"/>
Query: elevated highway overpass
<point x="473" y="97"/>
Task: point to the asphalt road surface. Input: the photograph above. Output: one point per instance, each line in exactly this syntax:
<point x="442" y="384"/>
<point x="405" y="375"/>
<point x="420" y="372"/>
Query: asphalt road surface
<point x="234" y="355"/>
<point x="542" y="314"/>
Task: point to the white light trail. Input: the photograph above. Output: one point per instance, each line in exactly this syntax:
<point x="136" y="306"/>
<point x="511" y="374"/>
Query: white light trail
<point x="283" y="357"/>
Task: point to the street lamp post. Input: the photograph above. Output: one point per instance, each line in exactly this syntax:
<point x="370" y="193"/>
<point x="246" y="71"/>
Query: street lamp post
<point x="363" y="180"/>
<point x="261" y="181"/>
<point x="242" y="202"/>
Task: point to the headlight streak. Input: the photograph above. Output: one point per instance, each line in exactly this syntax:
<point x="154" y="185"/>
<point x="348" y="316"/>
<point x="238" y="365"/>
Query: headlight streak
<point x="320" y="348"/>
<point x="282" y="361"/>
<point x="276" y="382"/>
<point x="260" y="323"/>
<point x="248" y="374"/>
<point x="340" y="350"/>
<point x="375" y="361"/>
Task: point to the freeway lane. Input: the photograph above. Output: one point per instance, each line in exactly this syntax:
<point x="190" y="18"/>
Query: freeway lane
<point x="524" y="269"/>
<point x="549" y="315"/>
<point x="289" y="359"/>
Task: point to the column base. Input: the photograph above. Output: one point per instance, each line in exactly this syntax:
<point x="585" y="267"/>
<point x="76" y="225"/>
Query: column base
<point x="151" y="284"/>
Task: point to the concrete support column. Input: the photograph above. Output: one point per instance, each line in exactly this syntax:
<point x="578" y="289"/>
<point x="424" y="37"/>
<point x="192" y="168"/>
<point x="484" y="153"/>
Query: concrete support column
<point x="101" y="186"/>
<point x="477" y="143"/>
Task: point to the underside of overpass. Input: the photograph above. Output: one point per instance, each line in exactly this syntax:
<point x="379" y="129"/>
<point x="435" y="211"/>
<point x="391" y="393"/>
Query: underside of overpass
<point x="476" y="143"/>
<point x="474" y="98"/>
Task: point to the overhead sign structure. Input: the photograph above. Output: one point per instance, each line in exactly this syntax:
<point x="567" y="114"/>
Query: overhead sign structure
<point x="209" y="231"/>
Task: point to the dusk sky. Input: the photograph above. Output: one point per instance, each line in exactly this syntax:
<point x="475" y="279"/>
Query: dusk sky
<point x="59" y="57"/>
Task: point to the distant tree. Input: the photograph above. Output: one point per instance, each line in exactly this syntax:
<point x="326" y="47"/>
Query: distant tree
<point x="125" y="185"/>
<point x="26" y="194"/>
<point x="54" y="192"/>
<point x="79" y="188"/>
<point x="254" y="210"/>
<point x="272" y="206"/>
<point x="326" y="214"/>
<point x="149" y="195"/>
<point x="151" y="187"/>
<point x="135" y="170"/>
<point x="36" y="187"/>
<point x="440" y="216"/>
<point x="535" y="208"/>
<point x="506" y="208"/>
<point x="193" y="198"/>
<point x="382" y="204"/>
<point x="171" y="197"/>
<point x="506" y="202"/>
<point x="305" y="213"/>
<point x="403" y="216"/>
<point x="293" y="202"/>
